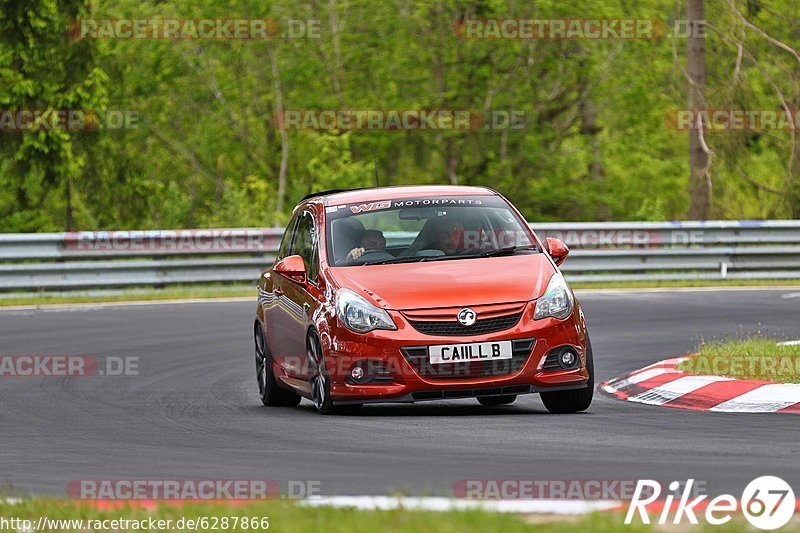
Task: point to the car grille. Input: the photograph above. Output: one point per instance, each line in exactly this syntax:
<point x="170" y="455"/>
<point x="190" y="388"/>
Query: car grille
<point x="453" y="327"/>
<point x="417" y="357"/>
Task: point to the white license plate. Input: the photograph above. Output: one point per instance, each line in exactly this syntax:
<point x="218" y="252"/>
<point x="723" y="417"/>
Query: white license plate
<point x="476" y="351"/>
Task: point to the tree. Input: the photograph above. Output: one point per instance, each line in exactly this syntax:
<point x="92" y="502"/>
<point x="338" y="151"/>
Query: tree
<point x="699" y="153"/>
<point x="43" y="70"/>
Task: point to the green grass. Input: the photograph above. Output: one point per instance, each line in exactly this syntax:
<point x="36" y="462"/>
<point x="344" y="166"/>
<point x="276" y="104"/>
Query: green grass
<point x="171" y="293"/>
<point x="288" y="516"/>
<point x="757" y="358"/>
<point x="685" y="284"/>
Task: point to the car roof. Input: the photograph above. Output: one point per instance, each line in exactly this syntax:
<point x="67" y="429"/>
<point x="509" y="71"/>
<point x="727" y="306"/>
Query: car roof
<point x="376" y="194"/>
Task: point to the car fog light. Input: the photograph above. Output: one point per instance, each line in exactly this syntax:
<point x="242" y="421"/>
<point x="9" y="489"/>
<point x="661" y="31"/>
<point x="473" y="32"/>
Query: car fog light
<point x="568" y="359"/>
<point x="357" y="373"/>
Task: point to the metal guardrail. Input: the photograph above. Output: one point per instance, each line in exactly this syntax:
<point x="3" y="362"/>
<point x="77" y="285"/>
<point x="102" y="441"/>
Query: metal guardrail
<point x="600" y="251"/>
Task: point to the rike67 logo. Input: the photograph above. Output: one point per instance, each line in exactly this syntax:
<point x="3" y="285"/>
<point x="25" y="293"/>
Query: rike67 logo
<point x="767" y="502"/>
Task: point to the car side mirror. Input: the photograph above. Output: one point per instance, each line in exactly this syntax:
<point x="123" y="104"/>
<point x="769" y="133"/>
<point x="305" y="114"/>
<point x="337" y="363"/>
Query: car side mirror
<point x="557" y="250"/>
<point x="291" y="267"/>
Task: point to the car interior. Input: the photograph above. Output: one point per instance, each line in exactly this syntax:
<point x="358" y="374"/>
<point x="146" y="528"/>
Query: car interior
<point x="479" y="228"/>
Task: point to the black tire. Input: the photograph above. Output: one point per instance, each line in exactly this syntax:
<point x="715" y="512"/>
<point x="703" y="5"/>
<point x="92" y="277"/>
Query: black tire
<point x="491" y="401"/>
<point x="573" y="401"/>
<point x="268" y="390"/>
<point x="321" y="382"/>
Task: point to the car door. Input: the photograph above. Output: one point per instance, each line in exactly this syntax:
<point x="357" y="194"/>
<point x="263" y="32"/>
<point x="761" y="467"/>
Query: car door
<point x="301" y="299"/>
<point x="271" y="295"/>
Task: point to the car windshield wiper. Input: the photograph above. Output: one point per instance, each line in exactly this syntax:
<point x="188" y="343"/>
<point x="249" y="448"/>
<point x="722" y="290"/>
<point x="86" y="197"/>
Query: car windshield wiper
<point x="507" y="250"/>
<point x="410" y="259"/>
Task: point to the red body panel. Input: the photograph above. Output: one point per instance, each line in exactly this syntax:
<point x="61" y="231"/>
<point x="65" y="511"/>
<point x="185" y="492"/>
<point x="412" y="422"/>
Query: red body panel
<point x="495" y="280"/>
<point x="426" y="291"/>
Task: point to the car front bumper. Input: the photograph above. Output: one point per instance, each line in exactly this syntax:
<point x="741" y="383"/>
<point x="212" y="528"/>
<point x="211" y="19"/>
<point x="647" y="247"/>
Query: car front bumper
<point x="344" y="349"/>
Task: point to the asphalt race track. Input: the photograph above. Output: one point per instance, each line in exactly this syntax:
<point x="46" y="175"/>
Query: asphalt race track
<point x="194" y="413"/>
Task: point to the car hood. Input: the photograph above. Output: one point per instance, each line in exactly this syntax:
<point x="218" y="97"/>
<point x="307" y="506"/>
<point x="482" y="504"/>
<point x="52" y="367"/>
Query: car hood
<point x="450" y="283"/>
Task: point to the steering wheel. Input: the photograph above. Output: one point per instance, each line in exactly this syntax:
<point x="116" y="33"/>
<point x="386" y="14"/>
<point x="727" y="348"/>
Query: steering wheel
<point x="372" y="255"/>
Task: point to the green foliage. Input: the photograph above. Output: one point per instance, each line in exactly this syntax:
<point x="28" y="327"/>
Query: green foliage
<point x="332" y="163"/>
<point x="207" y="151"/>
<point x="271" y="514"/>
<point x="754" y="358"/>
<point x="43" y="70"/>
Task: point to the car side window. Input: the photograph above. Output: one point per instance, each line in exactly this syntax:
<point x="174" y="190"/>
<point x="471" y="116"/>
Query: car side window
<point x="286" y="241"/>
<point x="304" y="244"/>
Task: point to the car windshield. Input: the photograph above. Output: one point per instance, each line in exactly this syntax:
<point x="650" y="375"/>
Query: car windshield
<point x="424" y="229"/>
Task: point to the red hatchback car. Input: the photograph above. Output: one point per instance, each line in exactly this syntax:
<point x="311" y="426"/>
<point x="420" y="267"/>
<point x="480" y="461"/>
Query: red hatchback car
<point x="406" y="294"/>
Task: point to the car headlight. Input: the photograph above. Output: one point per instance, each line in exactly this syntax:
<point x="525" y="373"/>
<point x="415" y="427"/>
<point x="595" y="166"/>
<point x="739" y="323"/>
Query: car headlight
<point x="556" y="300"/>
<point x="359" y="315"/>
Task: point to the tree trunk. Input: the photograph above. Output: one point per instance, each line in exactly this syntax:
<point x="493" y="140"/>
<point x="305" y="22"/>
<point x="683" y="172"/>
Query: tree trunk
<point x="68" y="194"/>
<point x="276" y="76"/>
<point x="219" y="187"/>
<point x="699" y="177"/>
<point x="451" y="153"/>
<point x="793" y="174"/>
<point x="589" y="126"/>
<point x="793" y="179"/>
<point x="338" y="62"/>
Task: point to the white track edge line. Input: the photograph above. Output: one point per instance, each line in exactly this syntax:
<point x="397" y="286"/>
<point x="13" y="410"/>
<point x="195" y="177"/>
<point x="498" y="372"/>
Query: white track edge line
<point x="441" y="504"/>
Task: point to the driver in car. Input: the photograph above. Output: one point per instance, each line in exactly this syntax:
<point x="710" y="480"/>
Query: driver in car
<point x="447" y="235"/>
<point x="372" y="240"/>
